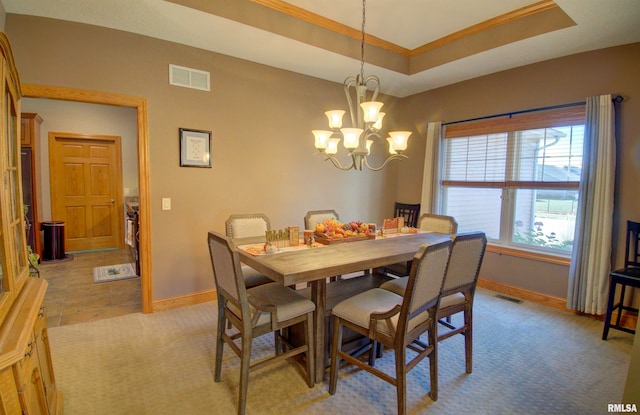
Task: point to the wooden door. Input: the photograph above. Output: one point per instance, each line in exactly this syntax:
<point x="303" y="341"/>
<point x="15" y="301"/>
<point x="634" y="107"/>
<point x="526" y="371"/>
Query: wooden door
<point x="86" y="190"/>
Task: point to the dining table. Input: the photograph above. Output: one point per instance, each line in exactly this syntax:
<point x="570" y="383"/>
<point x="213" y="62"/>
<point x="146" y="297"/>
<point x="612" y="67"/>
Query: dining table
<point x="315" y="265"/>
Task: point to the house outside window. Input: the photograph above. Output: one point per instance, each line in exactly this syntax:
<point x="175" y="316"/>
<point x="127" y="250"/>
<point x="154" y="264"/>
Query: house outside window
<point x="516" y="179"/>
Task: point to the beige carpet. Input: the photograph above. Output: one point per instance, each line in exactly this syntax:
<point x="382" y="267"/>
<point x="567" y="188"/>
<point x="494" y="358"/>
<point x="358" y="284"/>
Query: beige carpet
<point x="528" y="359"/>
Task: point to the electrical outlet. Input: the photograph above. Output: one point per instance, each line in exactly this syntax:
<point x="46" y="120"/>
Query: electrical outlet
<point x="166" y="203"/>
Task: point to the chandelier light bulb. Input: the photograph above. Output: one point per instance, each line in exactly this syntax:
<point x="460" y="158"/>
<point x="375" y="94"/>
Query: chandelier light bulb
<point x="378" y="124"/>
<point x="391" y="149"/>
<point x="335" y="118"/>
<point x="351" y="137"/>
<point x="371" y="110"/>
<point x="399" y="140"/>
<point x="332" y="148"/>
<point x="322" y="138"/>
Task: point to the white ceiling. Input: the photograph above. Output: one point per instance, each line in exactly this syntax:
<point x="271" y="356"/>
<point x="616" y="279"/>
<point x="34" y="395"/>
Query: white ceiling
<point x="408" y="23"/>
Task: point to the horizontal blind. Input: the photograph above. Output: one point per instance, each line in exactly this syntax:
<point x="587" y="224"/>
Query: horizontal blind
<point x="546" y="154"/>
<point x="567" y="116"/>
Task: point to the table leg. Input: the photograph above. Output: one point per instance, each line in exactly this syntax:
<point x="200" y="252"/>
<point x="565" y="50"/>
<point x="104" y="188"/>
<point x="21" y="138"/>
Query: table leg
<point x="319" y="297"/>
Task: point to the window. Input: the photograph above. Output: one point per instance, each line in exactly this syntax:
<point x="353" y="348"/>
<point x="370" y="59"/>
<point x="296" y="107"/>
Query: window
<point x="515" y="178"/>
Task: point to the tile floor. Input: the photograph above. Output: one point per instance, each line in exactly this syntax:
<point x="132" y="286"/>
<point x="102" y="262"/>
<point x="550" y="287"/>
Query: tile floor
<point x="72" y="296"/>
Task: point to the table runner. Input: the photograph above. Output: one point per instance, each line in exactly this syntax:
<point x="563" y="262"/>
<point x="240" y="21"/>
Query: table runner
<point x="258" y="249"/>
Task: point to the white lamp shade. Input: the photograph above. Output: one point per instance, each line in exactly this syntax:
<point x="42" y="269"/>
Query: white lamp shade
<point x="391" y="149"/>
<point x="332" y="148"/>
<point x="351" y="137"/>
<point x="369" y="142"/>
<point x="371" y="110"/>
<point x="322" y="138"/>
<point x="399" y="140"/>
<point x="335" y="118"/>
<point x="378" y="124"/>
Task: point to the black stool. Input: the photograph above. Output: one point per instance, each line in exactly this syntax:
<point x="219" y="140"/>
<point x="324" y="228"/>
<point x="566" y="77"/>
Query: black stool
<point x="627" y="276"/>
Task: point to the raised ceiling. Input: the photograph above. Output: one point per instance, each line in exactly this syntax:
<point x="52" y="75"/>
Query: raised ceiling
<point x="412" y="45"/>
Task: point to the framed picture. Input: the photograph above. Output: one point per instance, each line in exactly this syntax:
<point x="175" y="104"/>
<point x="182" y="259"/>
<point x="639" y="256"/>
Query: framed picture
<point x="195" y="148"/>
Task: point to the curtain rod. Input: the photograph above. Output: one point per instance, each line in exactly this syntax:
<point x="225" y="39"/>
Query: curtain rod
<point x="616" y="99"/>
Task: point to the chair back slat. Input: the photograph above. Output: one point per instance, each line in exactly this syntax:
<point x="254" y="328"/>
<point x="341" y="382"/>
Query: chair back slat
<point x="318" y="216"/>
<point x="247" y="225"/>
<point x="427" y="275"/>
<point x="467" y="253"/>
<point x="409" y="212"/>
<point x="632" y="256"/>
<point x="431" y="222"/>
<point x="225" y="271"/>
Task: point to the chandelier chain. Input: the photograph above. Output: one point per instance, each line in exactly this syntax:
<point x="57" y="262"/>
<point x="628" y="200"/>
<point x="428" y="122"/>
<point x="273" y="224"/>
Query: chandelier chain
<point x="364" y="3"/>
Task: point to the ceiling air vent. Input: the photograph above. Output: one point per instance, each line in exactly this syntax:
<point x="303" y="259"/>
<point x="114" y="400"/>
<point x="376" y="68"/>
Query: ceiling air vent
<point x="189" y="78"/>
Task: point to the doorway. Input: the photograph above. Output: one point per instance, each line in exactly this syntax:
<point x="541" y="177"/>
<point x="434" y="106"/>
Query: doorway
<point x="140" y="105"/>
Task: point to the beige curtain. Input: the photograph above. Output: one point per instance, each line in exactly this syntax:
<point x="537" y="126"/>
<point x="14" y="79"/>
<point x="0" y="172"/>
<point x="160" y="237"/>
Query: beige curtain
<point x="429" y="200"/>
<point x="591" y="260"/>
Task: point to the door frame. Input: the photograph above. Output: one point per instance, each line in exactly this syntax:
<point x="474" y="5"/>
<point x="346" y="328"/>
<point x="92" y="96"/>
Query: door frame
<point x="140" y="104"/>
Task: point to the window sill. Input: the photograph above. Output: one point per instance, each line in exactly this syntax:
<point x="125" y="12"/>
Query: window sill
<point x="535" y="256"/>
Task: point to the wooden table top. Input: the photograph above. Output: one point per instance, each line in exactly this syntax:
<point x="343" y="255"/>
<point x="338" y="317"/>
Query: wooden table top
<point x="304" y="265"/>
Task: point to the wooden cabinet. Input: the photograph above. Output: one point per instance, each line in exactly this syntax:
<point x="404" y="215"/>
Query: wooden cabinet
<point x="27" y="380"/>
<point x="30" y="163"/>
<point x="30" y="132"/>
<point x="28" y="371"/>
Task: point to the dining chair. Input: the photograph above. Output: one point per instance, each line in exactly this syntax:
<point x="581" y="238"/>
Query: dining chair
<point x="407" y="211"/>
<point x="629" y="276"/>
<point x="254" y="312"/>
<point x="428" y="222"/>
<point x="432" y="222"/>
<point x="244" y="226"/>
<point x="396" y="321"/>
<point x="318" y="216"/>
<point x="467" y="253"/>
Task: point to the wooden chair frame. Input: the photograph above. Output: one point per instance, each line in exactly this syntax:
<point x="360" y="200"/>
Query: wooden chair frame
<point x="409" y="212"/>
<point x="229" y="303"/>
<point x="467" y="286"/>
<point x="401" y="337"/>
<point x="629" y="276"/>
<point x="402" y="269"/>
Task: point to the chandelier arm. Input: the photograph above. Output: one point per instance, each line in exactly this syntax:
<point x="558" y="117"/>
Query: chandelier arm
<point x="371" y="132"/>
<point x="351" y="81"/>
<point x="392" y="157"/>
<point x="376" y="82"/>
<point x="339" y="165"/>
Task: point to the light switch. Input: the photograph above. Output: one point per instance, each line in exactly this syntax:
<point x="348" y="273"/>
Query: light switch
<point x="166" y="203"/>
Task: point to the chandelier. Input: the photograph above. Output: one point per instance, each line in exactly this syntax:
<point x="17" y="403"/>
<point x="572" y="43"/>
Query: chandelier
<point x="366" y="122"/>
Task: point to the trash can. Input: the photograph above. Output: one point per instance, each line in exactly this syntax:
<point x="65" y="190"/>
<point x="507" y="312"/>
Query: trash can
<point x="53" y="240"/>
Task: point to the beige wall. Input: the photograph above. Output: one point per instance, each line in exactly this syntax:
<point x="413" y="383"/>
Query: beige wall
<point x="261" y="120"/>
<point x="554" y="82"/>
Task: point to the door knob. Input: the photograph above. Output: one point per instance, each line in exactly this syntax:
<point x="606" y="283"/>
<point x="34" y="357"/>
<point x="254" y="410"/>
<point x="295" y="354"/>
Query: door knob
<point x="112" y="201"/>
